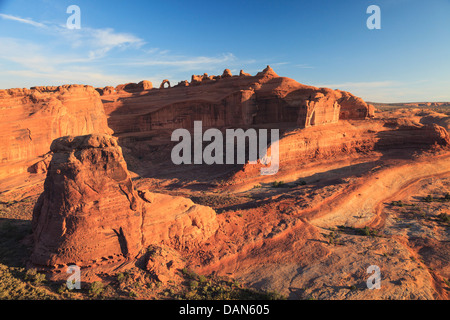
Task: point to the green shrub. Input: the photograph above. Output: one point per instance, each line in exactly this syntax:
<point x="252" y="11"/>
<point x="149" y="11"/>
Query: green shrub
<point x="96" y="288"/>
<point x="447" y="282"/>
<point x="132" y="294"/>
<point x="397" y="203"/>
<point x="62" y="288"/>
<point x="202" y="279"/>
<point x="278" y="184"/>
<point x="193" y="285"/>
<point x="40" y="277"/>
<point x="366" y="231"/>
<point x="35" y="277"/>
<point x="444" y="217"/>
<point x="333" y="237"/>
<point x="189" y="273"/>
<point x="121" y="277"/>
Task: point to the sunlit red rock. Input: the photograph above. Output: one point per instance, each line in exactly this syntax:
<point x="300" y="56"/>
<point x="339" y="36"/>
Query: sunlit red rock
<point x="90" y="211"/>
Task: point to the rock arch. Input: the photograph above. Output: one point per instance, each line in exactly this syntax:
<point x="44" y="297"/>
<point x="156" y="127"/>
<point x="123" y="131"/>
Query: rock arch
<point x="163" y="83"/>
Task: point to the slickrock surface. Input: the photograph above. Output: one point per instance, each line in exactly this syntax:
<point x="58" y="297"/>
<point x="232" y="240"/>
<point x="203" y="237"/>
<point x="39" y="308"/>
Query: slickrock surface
<point x="176" y="221"/>
<point x="90" y="212"/>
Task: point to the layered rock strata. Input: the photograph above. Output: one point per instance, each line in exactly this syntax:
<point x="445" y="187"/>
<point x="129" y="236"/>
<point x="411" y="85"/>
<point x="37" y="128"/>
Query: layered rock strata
<point x="32" y="118"/>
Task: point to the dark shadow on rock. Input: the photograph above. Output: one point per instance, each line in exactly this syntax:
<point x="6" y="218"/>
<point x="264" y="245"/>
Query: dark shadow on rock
<point x="122" y="242"/>
<point x="15" y="242"/>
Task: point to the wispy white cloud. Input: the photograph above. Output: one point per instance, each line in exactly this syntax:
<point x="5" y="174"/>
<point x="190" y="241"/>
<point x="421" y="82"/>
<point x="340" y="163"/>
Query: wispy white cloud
<point x="303" y="66"/>
<point x="88" y="55"/>
<point x="99" y="42"/>
<point x="69" y="76"/>
<point x="369" y="90"/>
<point x="186" y="63"/>
<point x="392" y="91"/>
<point x="365" y="85"/>
<point x="27" y="54"/>
<point x="109" y="38"/>
<point x="22" y="20"/>
<point x="277" y="64"/>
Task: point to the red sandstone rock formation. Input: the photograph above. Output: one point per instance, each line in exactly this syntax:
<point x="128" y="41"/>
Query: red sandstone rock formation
<point x="135" y="87"/>
<point x="183" y="83"/>
<point x="42" y="165"/>
<point x="163" y="83"/>
<point x="226" y="100"/>
<point x="90" y="212"/>
<point x="164" y="263"/>
<point x="353" y="107"/>
<point x="227" y="73"/>
<point x="32" y="118"/>
<point x="106" y="90"/>
<point x="38" y="115"/>
<point x="301" y="148"/>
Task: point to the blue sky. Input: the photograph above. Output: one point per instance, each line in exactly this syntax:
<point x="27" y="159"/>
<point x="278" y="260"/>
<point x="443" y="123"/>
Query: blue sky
<point x="320" y="43"/>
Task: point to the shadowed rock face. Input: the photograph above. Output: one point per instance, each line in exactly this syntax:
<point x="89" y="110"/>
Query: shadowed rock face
<point x="90" y="212"/>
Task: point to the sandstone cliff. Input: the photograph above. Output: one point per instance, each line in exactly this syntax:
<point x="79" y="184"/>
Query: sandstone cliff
<point x="32" y="118"/>
<point x="230" y="100"/>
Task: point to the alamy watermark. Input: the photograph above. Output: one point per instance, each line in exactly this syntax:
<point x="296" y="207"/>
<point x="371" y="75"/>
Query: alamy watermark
<point x="374" y="281"/>
<point x="74" y="21"/>
<point x="374" y="21"/>
<point x="74" y="280"/>
<point x="214" y="151"/>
